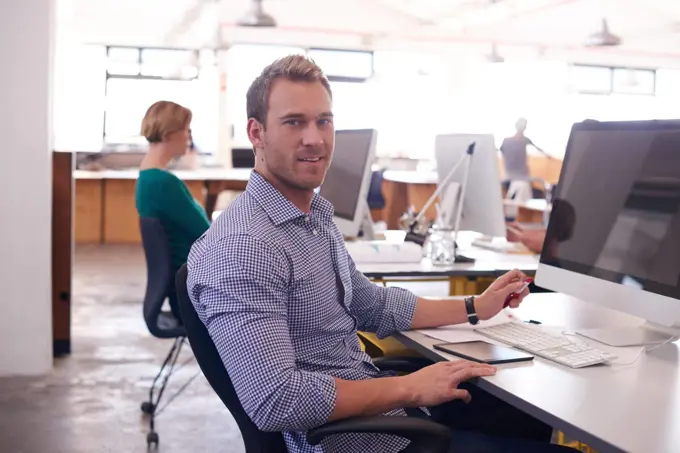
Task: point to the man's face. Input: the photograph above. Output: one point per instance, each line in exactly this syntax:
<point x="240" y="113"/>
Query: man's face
<point x="295" y="149"/>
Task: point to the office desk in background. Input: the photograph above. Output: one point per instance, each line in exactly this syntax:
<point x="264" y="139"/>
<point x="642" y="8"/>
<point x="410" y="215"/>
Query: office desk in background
<point x="405" y="188"/>
<point x="620" y="408"/>
<point x="105" y="200"/>
<point x="463" y="278"/>
<point x="535" y="210"/>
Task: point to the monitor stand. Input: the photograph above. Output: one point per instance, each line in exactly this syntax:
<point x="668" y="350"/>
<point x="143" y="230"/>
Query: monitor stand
<point x="367" y="223"/>
<point x="647" y="334"/>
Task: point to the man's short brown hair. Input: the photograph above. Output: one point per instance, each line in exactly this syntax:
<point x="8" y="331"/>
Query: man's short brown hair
<point x="297" y="68"/>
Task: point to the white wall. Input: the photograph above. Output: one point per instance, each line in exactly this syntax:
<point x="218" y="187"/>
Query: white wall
<point x="26" y="34"/>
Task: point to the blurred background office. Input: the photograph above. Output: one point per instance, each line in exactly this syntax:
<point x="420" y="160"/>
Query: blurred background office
<point x="79" y="75"/>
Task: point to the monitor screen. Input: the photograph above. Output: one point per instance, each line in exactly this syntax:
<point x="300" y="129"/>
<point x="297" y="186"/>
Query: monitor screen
<point x="345" y="175"/>
<point x="616" y="215"/>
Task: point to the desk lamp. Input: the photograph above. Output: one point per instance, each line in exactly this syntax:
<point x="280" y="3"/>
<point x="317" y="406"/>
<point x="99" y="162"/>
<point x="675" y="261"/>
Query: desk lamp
<point x="414" y="233"/>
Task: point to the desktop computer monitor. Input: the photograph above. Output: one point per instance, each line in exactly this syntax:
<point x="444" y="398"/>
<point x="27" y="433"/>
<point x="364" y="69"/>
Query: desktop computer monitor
<point x="349" y="178"/>
<point x="614" y="232"/>
<point x="483" y="204"/>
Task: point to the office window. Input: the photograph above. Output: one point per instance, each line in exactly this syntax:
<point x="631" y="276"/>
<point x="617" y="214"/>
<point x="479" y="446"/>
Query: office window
<point x="668" y="84"/>
<point x="634" y="81"/>
<point x="344" y="65"/>
<point x="590" y="79"/>
<point x="127" y="100"/>
<point x="353" y="106"/>
<point x="169" y="63"/>
<point x="409" y="89"/>
<point x="244" y="63"/>
<point x="138" y="77"/>
<point x="123" y="61"/>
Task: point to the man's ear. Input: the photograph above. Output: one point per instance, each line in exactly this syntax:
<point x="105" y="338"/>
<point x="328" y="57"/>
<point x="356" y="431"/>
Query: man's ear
<point x="256" y="133"/>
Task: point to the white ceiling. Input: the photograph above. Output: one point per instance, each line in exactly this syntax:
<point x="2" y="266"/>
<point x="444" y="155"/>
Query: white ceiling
<point x="650" y="29"/>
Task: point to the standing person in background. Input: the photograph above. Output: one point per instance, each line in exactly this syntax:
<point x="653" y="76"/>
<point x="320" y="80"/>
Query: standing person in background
<point x="514" y="151"/>
<point x="162" y="195"/>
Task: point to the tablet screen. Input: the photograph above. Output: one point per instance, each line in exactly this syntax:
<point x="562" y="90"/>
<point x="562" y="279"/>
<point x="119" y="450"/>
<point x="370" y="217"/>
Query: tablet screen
<point x="481" y="351"/>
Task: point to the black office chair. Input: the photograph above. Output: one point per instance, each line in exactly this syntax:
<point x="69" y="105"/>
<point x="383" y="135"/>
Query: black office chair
<point x="161" y="323"/>
<point x="426" y="436"/>
<point x="376" y="200"/>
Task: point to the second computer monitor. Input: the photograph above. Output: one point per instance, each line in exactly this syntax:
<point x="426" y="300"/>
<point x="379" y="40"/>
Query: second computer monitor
<point x="349" y="177"/>
<point x="483" y="203"/>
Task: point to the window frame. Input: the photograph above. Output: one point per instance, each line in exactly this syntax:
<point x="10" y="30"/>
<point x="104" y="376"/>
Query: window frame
<point x="138" y="76"/>
<point x="346" y="79"/>
<point x="612" y="70"/>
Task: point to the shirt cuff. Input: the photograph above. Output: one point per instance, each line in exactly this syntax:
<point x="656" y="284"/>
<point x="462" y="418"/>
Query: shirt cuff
<point x="317" y="403"/>
<point x="400" y="307"/>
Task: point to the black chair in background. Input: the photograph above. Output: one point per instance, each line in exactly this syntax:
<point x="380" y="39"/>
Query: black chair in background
<point x="426" y="436"/>
<point x="161" y="323"/>
<point x="376" y="200"/>
<point x="242" y="158"/>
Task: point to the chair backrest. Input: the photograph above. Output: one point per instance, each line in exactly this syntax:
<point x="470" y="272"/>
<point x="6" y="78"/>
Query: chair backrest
<point x="159" y="280"/>
<point x="376" y="200"/>
<point x="209" y="360"/>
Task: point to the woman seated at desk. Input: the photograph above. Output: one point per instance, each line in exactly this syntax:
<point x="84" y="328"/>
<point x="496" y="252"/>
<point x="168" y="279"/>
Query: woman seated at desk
<point x="160" y="194"/>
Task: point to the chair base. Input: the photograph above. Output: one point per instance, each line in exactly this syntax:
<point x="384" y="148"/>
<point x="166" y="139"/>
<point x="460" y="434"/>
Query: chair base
<point x="151" y="407"/>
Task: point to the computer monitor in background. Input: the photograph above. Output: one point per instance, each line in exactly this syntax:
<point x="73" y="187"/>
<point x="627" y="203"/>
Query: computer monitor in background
<point x="614" y="232"/>
<point x="483" y="204"/>
<point x="242" y="158"/>
<point x="348" y="179"/>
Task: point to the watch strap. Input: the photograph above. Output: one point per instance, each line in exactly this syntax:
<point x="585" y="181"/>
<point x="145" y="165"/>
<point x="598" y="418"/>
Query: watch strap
<point x="470" y="309"/>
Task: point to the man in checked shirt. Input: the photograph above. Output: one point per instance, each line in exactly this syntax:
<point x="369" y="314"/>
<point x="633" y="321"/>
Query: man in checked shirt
<point x="282" y="299"/>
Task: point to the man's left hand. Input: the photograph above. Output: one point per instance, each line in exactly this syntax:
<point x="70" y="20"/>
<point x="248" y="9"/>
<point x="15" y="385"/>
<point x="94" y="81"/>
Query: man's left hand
<point x="493" y="299"/>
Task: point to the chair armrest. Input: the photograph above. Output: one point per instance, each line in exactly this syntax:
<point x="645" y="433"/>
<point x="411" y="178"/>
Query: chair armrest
<point x="401" y="364"/>
<point x="425" y="435"/>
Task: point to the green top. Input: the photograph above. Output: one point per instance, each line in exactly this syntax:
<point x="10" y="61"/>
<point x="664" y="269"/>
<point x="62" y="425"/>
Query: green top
<point x="162" y="195"/>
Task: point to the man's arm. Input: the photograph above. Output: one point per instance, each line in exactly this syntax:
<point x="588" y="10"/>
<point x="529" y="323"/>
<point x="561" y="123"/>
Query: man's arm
<point x="239" y="288"/>
<point x="435" y="313"/>
<point x="386" y="311"/>
<point x="540" y="150"/>
<point x="380" y="310"/>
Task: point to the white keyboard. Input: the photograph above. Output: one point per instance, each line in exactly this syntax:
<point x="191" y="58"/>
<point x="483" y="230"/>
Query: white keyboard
<point x="501" y="246"/>
<point x="535" y="340"/>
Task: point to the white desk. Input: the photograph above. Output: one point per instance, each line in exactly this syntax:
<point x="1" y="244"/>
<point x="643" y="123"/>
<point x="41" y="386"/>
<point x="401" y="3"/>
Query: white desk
<point x="462" y="277"/>
<point x="488" y="263"/>
<point x="621" y="408"/>
<point x="411" y="177"/>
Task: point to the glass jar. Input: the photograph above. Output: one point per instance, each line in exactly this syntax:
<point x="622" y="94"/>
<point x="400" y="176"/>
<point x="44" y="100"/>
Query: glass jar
<point x="440" y="247"/>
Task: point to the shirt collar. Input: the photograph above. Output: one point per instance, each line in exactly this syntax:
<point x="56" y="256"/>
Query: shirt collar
<point x="279" y="209"/>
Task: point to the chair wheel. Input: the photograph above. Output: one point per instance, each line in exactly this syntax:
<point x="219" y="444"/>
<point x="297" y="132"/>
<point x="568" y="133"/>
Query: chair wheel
<point x="148" y="408"/>
<point x="152" y="438"/>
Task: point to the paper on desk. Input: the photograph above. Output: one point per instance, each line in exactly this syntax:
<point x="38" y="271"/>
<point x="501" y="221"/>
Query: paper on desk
<point x="459" y="333"/>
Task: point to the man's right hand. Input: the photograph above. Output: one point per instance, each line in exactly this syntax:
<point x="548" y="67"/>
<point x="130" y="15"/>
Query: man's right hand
<point x="438" y="383"/>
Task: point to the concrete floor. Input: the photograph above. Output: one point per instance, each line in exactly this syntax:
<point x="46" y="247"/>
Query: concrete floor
<point x="90" y="402"/>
